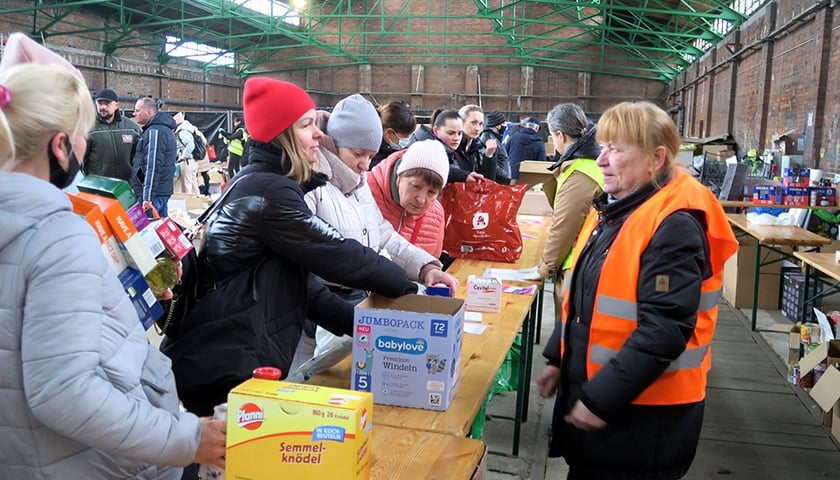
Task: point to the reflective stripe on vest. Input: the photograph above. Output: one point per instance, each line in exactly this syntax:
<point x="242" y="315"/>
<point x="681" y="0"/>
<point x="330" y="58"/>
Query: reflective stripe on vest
<point x="588" y="167"/>
<point x="615" y="313"/>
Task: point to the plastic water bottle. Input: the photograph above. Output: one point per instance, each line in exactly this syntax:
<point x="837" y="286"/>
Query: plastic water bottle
<point x="207" y="471"/>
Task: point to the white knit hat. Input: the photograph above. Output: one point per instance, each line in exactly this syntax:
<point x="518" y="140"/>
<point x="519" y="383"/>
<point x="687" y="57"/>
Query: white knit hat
<point x="354" y="123"/>
<point x="426" y="154"/>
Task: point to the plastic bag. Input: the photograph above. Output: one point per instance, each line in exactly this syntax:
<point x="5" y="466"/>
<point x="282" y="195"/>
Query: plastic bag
<point x="481" y="220"/>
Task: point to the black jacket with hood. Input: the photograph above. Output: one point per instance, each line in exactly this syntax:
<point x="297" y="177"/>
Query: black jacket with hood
<point x="639" y="441"/>
<point x="461" y="163"/>
<point x="260" y="251"/>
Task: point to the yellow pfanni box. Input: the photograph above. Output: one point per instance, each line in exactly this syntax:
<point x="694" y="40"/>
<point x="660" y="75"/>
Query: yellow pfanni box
<point x="292" y="430"/>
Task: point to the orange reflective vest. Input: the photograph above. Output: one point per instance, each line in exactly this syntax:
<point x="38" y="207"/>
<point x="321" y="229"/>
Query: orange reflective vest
<point x="615" y="313"/>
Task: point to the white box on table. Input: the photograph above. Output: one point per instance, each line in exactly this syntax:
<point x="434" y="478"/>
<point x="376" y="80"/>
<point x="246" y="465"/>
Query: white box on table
<point x="407" y="350"/>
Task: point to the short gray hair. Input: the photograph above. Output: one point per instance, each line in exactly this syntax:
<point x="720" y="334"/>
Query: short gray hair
<point x="567" y="118"/>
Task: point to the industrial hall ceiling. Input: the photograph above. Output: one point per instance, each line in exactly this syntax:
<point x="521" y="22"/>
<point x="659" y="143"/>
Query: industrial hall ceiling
<point x="649" y="39"/>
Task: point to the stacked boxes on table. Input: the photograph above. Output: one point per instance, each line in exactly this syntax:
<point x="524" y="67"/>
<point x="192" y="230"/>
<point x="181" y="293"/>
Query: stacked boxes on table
<point x="290" y="430"/>
<point x="407" y="351"/>
<point x="131" y="243"/>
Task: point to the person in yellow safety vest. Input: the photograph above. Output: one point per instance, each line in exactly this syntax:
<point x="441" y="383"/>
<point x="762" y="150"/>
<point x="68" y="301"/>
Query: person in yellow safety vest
<point x="629" y="359"/>
<point x="236" y="146"/>
<point x="576" y="183"/>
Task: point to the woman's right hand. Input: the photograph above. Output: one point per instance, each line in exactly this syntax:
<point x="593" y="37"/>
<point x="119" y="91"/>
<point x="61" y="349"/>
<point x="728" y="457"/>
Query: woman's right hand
<point x="211" y="447"/>
<point x="548" y="380"/>
<point x="474" y="177"/>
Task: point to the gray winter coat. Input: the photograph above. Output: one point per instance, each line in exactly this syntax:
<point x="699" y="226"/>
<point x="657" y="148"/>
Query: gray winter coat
<point x="83" y="394"/>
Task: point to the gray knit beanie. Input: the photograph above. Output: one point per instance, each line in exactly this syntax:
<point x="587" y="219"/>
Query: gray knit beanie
<point x="354" y="123"/>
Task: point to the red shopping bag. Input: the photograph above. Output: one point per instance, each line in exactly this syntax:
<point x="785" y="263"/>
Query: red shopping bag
<point x="481" y="220"/>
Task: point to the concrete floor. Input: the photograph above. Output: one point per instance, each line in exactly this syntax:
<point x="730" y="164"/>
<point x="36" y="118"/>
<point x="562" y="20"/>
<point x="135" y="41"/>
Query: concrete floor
<point x="756" y="424"/>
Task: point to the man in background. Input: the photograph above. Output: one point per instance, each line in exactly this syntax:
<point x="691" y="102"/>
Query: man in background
<point x="153" y="169"/>
<point x="525" y="144"/>
<point x="236" y="146"/>
<point x="112" y="141"/>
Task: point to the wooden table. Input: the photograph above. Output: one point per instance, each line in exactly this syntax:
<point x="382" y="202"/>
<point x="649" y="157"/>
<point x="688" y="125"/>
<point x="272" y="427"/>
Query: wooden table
<point x="817" y="263"/>
<point x="400" y="454"/>
<point x="742" y="204"/>
<point x="534" y="229"/>
<point x="771" y="237"/>
<point x="481" y="355"/>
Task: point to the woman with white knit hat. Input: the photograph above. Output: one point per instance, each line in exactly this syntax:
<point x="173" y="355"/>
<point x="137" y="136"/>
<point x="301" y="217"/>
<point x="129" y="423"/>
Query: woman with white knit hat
<point x="406" y="187"/>
<point x="353" y="135"/>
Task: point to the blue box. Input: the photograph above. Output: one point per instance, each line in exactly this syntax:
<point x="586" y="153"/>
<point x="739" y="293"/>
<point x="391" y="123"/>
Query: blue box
<point x="144" y="301"/>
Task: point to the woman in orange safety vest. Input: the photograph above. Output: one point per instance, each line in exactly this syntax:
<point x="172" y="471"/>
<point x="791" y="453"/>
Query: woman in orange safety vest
<point x="629" y="359"/>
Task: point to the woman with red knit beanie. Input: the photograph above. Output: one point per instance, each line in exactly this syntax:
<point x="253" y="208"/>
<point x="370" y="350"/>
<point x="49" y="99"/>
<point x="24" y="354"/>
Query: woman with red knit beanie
<point x="261" y="252"/>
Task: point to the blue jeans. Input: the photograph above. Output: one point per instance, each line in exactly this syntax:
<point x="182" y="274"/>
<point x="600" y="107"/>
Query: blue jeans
<point x="159" y="202"/>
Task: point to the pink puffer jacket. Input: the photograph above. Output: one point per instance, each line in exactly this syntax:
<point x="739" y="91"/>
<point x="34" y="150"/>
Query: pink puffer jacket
<point x="425" y="231"/>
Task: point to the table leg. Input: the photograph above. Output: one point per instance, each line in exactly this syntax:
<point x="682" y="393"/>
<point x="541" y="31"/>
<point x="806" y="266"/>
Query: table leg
<point x="806" y="297"/>
<point x="756" y="275"/>
<point x="540" y="296"/>
<point x="520" y="415"/>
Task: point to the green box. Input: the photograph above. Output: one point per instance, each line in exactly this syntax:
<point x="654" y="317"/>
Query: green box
<point x="114" y="188"/>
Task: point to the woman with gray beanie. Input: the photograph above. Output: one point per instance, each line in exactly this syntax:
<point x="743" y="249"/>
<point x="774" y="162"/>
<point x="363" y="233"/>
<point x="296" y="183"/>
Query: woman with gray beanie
<point x="353" y="134"/>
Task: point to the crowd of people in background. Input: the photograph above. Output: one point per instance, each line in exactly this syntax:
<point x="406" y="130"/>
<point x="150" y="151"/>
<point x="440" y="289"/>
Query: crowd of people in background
<point x="324" y="207"/>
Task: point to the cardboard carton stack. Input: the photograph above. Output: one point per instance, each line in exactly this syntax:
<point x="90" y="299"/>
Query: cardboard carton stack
<point x="131" y="243"/>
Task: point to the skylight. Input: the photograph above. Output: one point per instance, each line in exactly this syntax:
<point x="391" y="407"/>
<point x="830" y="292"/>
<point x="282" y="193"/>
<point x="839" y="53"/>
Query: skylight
<point x="272" y="8"/>
<point x="199" y="52"/>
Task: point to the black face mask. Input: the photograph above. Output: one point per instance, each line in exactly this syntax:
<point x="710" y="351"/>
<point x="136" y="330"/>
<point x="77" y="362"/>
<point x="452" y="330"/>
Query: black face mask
<point x="58" y="176"/>
<point x="502" y="129"/>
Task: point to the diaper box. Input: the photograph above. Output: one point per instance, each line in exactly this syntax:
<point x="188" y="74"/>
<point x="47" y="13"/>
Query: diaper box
<point x="292" y="430"/>
<point x="407" y="350"/>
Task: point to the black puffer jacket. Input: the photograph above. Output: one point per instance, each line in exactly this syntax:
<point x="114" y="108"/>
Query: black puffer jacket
<point x="500" y="156"/>
<point x="639" y="442"/>
<point x="474" y="158"/>
<point x="460" y="164"/>
<point x="255" y="265"/>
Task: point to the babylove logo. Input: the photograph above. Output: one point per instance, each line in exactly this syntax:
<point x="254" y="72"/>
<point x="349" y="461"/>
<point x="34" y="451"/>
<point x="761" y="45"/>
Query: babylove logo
<point x="249" y="416"/>
<point x="413" y="346"/>
<point x="480" y="220"/>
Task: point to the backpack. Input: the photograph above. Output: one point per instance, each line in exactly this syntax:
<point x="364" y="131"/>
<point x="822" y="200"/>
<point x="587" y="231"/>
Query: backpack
<point x="185" y="295"/>
<point x="200" y="149"/>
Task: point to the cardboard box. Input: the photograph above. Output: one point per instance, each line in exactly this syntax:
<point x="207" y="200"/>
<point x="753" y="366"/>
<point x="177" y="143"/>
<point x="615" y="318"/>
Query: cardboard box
<point x="533" y="172"/>
<point x="110" y="249"/>
<point x="535" y="203"/>
<point x="144" y="301"/>
<point x="137" y="216"/>
<point x="192" y="202"/>
<point x="826" y="391"/>
<point x="484" y="294"/>
<point x="289" y="430"/>
<point x="173" y="238"/>
<point x="407" y="351"/>
<point x="115" y="214"/>
<point x="738" y="277"/>
<point x="114" y="188"/>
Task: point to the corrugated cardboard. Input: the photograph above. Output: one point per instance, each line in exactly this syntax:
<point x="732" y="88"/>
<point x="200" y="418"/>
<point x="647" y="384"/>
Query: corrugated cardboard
<point x="533" y="172"/>
<point x="738" y="277"/>
<point x="407" y="350"/>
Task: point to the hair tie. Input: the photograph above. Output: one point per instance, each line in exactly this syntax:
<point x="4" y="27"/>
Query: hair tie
<point x="5" y="96"/>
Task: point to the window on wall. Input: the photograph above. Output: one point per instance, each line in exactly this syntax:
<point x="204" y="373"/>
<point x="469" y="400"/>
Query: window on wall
<point x="722" y="27"/>
<point x="199" y="52"/>
<point x="288" y="13"/>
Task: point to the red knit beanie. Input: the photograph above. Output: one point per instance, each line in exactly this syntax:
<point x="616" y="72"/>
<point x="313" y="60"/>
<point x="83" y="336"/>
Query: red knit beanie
<point x="271" y="106"/>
